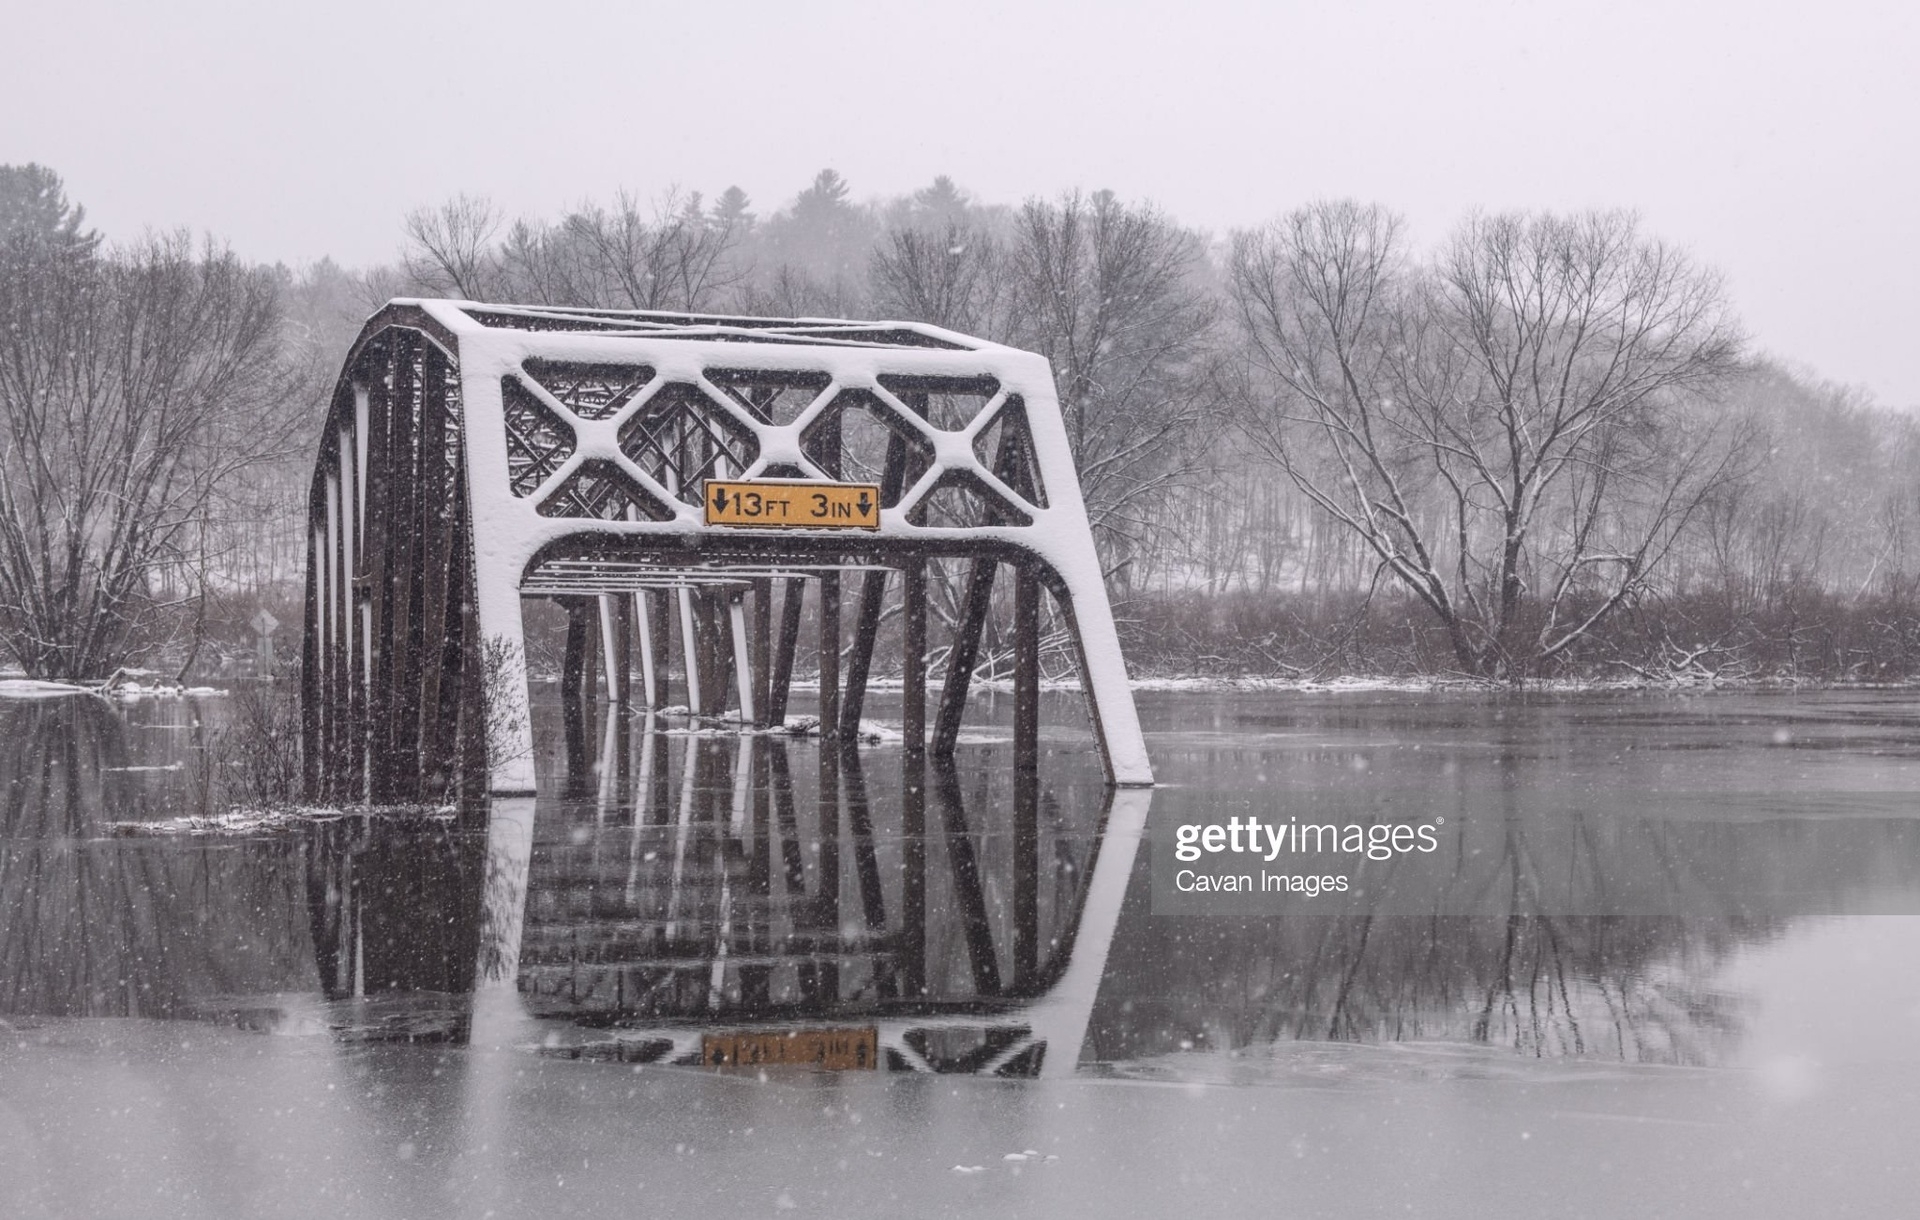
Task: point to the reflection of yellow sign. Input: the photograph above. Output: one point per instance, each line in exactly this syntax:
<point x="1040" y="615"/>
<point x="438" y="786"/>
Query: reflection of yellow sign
<point x="836" y="1050"/>
<point x="793" y="504"/>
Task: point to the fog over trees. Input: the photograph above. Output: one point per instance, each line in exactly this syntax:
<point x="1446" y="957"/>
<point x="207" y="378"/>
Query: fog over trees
<point x="1535" y="446"/>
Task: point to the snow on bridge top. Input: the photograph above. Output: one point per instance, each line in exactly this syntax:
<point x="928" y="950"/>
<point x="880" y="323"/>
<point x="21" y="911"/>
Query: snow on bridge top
<point x="836" y="332"/>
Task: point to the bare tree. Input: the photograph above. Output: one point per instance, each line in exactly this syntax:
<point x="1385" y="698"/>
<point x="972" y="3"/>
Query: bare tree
<point x="674" y="259"/>
<point x="1111" y="295"/>
<point x="1519" y="433"/>
<point x="623" y="256"/>
<point x="135" y="388"/>
<point x="789" y="291"/>
<point x="952" y="274"/>
<point x="449" y="249"/>
<point x="538" y="266"/>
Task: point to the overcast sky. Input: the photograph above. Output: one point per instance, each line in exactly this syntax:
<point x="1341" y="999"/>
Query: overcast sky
<point x="1778" y="142"/>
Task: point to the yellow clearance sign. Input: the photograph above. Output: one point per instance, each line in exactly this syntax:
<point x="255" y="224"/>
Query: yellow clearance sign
<point x="793" y="504"/>
<point x="835" y="1050"/>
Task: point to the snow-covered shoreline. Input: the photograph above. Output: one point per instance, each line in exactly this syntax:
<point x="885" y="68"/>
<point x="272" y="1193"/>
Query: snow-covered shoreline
<point x="33" y="688"/>
<point x="251" y="821"/>
<point x="122" y="686"/>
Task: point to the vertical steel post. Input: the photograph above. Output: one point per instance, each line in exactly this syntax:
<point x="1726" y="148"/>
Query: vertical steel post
<point x="623" y="646"/>
<point x="380" y="560"/>
<point x="792" y="606"/>
<point x="336" y="745"/>
<point x="573" y="694"/>
<point x="648" y="681"/>
<point x="435" y="574"/>
<point x="829" y="655"/>
<point x="610" y="647"/>
<point x="913" y="780"/>
<point x="662" y="635"/>
<point x="402" y="729"/>
<point x="690" y="648"/>
<point x="760" y="654"/>
<point x="1026" y="776"/>
<point x="742" y="666"/>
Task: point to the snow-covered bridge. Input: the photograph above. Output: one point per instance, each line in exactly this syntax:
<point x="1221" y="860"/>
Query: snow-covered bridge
<point x="628" y="465"/>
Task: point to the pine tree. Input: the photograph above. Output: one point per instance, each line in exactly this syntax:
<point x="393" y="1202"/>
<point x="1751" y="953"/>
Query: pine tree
<point x="943" y="200"/>
<point x="34" y="209"/>
<point x="821" y="205"/>
<point x="734" y="210"/>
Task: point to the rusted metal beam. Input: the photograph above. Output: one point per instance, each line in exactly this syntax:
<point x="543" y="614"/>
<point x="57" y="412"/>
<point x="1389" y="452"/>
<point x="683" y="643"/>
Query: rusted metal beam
<point x="574" y="666"/>
<point x="606" y="624"/>
<point x="760" y="650"/>
<point x="829" y="656"/>
<point x="913" y="661"/>
<point x="780" y="679"/>
<point x="963" y="655"/>
<point x="866" y="628"/>
<point x="715" y="650"/>
<point x="623" y="650"/>
<point x="661" y="633"/>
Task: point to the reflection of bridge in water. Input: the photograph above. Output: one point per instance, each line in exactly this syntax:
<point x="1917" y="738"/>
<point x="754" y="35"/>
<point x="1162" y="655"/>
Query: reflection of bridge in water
<point x="951" y="921"/>
<point x="730" y="890"/>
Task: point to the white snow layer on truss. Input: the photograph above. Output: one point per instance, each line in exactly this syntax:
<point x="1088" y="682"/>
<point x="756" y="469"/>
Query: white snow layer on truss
<point x="508" y="530"/>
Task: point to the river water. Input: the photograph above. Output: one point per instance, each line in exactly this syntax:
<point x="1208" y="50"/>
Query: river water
<point x="1662" y="961"/>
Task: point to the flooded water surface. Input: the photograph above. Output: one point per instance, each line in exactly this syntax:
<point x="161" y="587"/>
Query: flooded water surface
<point x="1661" y="959"/>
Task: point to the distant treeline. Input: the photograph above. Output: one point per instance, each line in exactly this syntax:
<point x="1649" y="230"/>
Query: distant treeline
<point x="1538" y="447"/>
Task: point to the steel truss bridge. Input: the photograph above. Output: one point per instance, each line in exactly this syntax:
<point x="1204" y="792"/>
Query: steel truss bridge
<point x="475" y="455"/>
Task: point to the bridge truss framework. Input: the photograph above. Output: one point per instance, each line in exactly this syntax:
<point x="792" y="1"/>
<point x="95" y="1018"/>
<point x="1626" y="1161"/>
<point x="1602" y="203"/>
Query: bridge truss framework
<point x="477" y="454"/>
